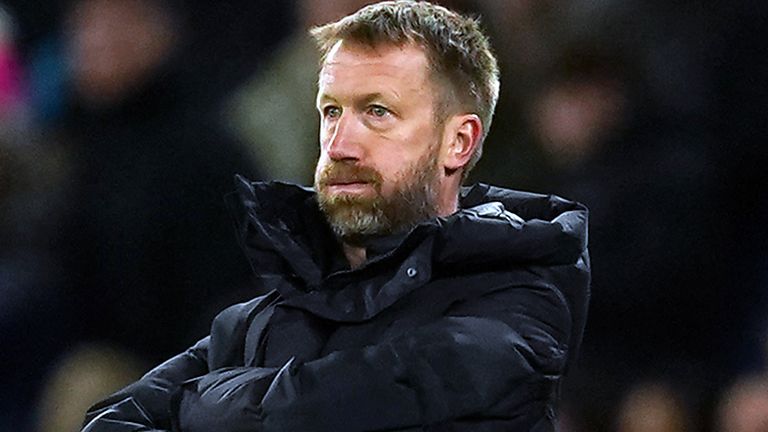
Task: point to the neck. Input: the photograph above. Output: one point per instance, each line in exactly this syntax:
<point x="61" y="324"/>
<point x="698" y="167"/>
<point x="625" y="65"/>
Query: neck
<point x="448" y="196"/>
<point x="356" y="255"/>
<point x="446" y="206"/>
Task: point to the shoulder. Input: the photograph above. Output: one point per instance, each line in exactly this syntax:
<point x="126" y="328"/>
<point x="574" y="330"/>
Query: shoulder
<point x="230" y="327"/>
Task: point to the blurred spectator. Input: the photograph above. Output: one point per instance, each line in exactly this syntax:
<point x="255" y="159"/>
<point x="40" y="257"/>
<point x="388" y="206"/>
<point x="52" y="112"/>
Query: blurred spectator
<point x="112" y="217"/>
<point x="31" y="174"/>
<point x="652" y="407"/>
<point x="744" y="406"/>
<point x="116" y="46"/>
<point x="575" y="114"/>
<point x="616" y="104"/>
<point x="526" y="36"/>
<point x="148" y="246"/>
<point x="87" y="373"/>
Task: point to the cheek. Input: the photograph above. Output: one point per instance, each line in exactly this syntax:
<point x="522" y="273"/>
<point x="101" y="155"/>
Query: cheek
<point x="322" y="161"/>
<point x="388" y="188"/>
<point x="394" y="172"/>
<point x="323" y="139"/>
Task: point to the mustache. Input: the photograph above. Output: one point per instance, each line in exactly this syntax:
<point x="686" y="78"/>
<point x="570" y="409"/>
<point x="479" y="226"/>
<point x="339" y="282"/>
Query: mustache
<point x="340" y="172"/>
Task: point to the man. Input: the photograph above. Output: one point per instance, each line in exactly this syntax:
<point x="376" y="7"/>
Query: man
<point x="395" y="302"/>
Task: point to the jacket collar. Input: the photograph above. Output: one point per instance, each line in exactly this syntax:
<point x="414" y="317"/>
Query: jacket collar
<point x="284" y="233"/>
<point x="504" y="226"/>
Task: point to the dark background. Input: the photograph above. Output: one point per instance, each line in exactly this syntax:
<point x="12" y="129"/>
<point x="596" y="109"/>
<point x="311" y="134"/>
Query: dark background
<point x="123" y="121"/>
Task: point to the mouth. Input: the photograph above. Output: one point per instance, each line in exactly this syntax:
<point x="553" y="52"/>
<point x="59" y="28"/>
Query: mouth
<point x="345" y="181"/>
<point x="348" y="186"/>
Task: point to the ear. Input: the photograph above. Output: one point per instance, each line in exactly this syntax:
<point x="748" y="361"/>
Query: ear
<point x="461" y="137"/>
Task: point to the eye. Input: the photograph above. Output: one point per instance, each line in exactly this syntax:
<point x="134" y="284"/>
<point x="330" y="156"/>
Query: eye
<point x="331" y="111"/>
<point x="378" y="111"/>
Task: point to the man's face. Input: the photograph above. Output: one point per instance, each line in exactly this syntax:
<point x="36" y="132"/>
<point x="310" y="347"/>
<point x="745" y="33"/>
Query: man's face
<point x="378" y="171"/>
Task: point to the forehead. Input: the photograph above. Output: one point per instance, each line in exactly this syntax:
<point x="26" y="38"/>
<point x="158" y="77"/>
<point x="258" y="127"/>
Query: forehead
<point x="349" y="64"/>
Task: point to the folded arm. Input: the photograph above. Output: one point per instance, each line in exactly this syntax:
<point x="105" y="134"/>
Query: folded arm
<point x="143" y="405"/>
<point x="503" y="348"/>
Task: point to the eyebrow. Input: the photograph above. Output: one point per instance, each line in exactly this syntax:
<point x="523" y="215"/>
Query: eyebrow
<point x="365" y="99"/>
<point x="372" y="97"/>
<point x="324" y="97"/>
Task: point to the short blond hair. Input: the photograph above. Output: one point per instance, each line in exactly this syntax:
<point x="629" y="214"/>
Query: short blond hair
<point x="458" y="52"/>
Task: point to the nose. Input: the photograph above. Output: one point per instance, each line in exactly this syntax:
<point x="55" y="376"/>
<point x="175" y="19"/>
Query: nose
<point x="343" y="143"/>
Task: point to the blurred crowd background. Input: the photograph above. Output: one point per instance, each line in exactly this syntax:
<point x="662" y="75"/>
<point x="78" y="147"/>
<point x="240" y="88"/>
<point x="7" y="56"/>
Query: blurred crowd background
<point x="122" y="123"/>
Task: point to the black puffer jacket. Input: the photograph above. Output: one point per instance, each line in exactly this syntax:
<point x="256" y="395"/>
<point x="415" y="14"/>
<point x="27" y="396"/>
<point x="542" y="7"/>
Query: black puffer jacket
<point x="468" y="322"/>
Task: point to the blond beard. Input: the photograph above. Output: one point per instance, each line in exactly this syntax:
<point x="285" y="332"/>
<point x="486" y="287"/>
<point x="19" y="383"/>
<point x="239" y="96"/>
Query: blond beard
<point x="356" y="219"/>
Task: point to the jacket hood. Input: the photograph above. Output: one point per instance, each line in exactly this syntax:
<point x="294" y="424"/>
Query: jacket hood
<point x="504" y="226"/>
<point x="494" y="227"/>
